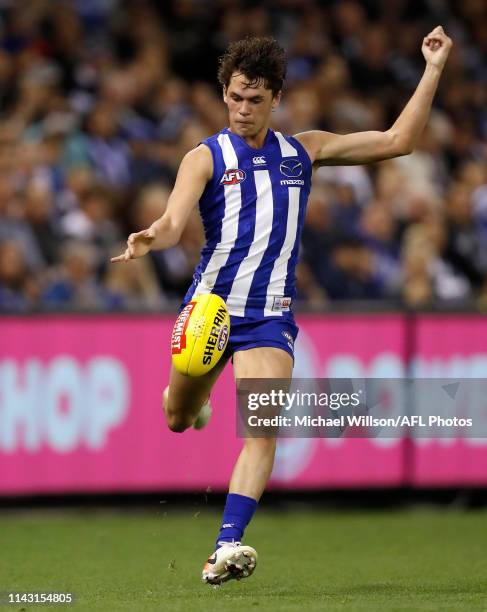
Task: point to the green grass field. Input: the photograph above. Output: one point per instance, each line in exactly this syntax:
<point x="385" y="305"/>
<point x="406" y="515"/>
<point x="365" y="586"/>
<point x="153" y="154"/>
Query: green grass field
<point x="417" y="560"/>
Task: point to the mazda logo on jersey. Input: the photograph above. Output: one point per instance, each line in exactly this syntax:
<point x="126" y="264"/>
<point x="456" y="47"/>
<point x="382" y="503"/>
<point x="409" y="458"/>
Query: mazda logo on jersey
<point x="291" y="168"/>
<point x="232" y="177"/>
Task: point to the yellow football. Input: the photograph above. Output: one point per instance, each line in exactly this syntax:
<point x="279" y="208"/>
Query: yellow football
<point x="200" y="335"/>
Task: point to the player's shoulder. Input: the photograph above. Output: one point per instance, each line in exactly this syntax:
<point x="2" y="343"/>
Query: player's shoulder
<point x="200" y="160"/>
<point x="294" y="144"/>
<point x="306" y="138"/>
<point x="207" y="150"/>
<point x="213" y="140"/>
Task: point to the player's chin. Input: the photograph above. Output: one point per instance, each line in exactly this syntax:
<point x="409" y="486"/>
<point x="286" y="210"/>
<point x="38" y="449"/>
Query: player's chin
<point x="246" y="128"/>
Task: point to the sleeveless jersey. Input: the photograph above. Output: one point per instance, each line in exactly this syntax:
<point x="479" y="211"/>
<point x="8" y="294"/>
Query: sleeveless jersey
<point x="253" y="212"/>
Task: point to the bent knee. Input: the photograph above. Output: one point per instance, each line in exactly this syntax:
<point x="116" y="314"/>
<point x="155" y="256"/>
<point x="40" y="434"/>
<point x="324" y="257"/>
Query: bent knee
<point x="178" y="427"/>
<point x="178" y="424"/>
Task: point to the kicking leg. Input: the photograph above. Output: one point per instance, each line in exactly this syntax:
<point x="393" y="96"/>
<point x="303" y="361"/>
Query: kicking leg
<point x="184" y="397"/>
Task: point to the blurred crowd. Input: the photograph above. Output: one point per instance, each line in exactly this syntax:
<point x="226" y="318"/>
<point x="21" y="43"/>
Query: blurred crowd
<point x="100" y="99"/>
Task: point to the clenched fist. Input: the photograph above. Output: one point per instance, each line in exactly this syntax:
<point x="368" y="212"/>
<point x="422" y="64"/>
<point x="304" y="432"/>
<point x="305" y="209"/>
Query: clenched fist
<point x="436" y="47"/>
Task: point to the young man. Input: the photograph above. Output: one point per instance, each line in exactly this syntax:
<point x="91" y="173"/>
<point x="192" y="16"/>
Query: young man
<point x="252" y="186"/>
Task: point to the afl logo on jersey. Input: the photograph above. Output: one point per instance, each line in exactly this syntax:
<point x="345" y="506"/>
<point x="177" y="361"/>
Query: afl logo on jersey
<point x="291" y="168"/>
<point x="232" y="177"/>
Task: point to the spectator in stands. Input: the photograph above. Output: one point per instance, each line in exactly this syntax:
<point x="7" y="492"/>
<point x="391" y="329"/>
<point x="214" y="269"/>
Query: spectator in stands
<point x="18" y="289"/>
<point x="74" y="284"/>
<point x="94" y="222"/>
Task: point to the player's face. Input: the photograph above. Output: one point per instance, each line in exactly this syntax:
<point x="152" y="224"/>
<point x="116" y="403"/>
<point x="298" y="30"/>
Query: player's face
<point x="249" y="108"/>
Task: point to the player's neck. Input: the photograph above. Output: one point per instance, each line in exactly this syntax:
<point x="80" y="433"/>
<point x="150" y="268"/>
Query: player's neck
<point x="256" y="141"/>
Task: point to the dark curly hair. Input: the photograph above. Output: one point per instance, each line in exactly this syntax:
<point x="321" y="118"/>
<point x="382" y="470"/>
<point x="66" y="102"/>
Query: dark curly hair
<point x="258" y="59"/>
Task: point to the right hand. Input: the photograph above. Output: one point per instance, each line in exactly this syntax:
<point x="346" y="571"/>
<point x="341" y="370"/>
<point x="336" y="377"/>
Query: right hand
<point x="138" y="245"/>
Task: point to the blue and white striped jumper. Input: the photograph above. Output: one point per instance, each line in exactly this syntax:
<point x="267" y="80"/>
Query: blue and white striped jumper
<point x="253" y="213"/>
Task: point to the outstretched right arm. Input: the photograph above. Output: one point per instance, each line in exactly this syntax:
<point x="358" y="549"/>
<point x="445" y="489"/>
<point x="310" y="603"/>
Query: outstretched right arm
<point x="194" y="172"/>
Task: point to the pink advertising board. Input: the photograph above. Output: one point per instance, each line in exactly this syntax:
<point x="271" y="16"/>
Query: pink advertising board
<point x="80" y="408"/>
<point x="344" y="346"/>
<point x="450" y="347"/>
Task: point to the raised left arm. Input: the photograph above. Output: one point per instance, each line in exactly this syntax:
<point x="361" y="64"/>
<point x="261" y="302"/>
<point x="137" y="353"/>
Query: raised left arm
<point x="327" y="149"/>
